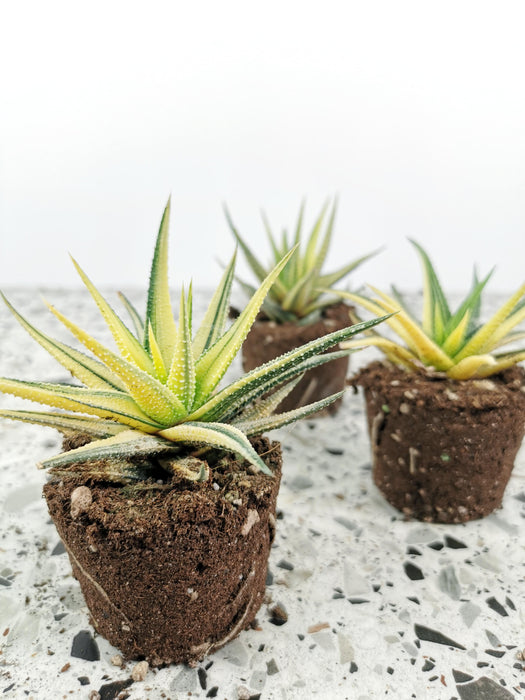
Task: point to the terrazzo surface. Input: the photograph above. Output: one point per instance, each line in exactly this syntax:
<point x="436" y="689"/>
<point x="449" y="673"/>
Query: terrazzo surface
<point x="360" y="603"/>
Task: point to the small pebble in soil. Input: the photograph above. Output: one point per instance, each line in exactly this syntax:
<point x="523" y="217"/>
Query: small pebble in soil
<point x="140" y="671"/>
<point x="81" y="499"/>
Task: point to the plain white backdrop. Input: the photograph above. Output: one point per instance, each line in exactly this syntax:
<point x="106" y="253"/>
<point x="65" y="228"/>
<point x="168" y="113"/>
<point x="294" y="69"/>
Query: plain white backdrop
<point x="412" y="112"/>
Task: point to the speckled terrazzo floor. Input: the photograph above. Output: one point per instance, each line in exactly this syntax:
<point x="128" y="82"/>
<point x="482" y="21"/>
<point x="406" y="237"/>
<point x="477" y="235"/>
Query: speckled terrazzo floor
<point x="370" y="606"/>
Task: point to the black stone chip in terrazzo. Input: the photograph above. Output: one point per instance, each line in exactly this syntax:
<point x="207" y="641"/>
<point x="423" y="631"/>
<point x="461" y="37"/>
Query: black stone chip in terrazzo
<point x="358" y="601"/>
<point x="520" y="497"/>
<point x="390" y="670"/>
<point x="269" y="578"/>
<point x="510" y="603"/>
<point x="413" y="550"/>
<point x="483" y="689"/>
<point x="334" y="450"/>
<point x="60" y="616"/>
<point x="376" y="587"/>
<point x="283" y="564"/>
<point x="461" y="677"/>
<point x="337" y="595"/>
<point x="414" y="599"/>
<point x="428" y="665"/>
<point x="413" y="572"/>
<point x="203" y="677"/>
<point x="495" y="652"/>
<point x="496" y="606"/>
<point x="5" y="582"/>
<point x="427" y="634"/>
<point x="353" y="667"/>
<point x="482" y="664"/>
<point x="212" y="692"/>
<point x="278" y="615"/>
<point x="83" y="680"/>
<point x="438" y="546"/>
<point x="453" y="543"/>
<point x="58" y="549"/>
<point x="111" y="691"/>
<point x="85" y="647"/>
<point x="9" y="687"/>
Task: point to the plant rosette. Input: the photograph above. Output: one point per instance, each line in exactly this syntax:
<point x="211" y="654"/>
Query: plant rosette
<point x="446" y="411"/>
<point x="164" y="495"/>
<point x="300" y="306"/>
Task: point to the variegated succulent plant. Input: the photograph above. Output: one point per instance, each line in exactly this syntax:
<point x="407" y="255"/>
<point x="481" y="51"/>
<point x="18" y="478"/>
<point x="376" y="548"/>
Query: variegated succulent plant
<point x="298" y="293"/>
<point x="159" y="393"/>
<point x="453" y="343"/>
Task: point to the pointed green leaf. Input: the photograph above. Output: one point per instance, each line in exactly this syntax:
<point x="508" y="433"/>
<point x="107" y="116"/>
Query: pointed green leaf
<point x="214" y="321"/>
<point x="89" y="371"/>
<point x="156" y="356"/>
<point x="181" y="379"/>
<point x="125" y="445"/>
<point x="138" y="323"/>
<point x="432" y="294"/>
<point x="105" y="404"/>
<point x="276" y="368"/>
<point x="226" y="437"/>
<point x="159" y="312"/>
<point x="128" y="345"/>
<point x="66" y="422"/>
<point x="483" y="338"/>
<point x="155" y="399"/>
<point x="263" y="407"/>
<point x="211" y="367"/>
<point x="330" y="279"/>
<point x="310" y="255"/>
<point x="265" y="424"/>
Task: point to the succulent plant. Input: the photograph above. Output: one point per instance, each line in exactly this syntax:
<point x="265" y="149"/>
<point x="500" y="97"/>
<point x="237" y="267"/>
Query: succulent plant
<point x="160" y="394"/>
<point x="298" y="293"/>
<point x="453" y="343"/>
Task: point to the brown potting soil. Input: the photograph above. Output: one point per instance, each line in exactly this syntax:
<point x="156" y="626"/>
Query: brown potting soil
<point x="267" y="340"/>
<point x="443" y="450"/>
<point x="171" y="572"/>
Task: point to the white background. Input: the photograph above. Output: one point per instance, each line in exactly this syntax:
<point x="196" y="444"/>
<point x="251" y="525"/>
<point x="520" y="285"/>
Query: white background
<point x="413" y="112"/>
